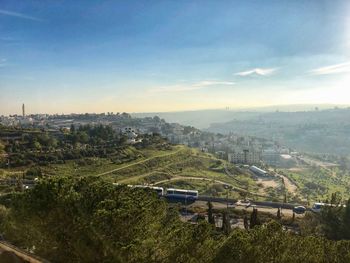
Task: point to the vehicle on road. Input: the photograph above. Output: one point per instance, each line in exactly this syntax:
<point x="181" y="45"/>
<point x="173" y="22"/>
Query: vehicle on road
<point x="245" y="203"/>
<point x="299" y="209"/>
<point x="190" y="195"/>
<point x="317" y="207"/>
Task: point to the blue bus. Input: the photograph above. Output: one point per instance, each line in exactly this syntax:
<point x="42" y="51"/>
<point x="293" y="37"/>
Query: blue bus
<point x="181" y="194"/>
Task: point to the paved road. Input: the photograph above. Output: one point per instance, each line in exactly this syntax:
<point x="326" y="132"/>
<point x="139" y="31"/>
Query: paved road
<point x="287" y="212"/>
<point x="177" y="178"/>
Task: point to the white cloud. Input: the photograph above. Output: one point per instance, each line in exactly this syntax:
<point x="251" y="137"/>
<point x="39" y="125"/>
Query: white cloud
<point x="257" y="71"/>
<point x="333" y="69"/>
<point x="193" y="86"/>
<point x="206" y="83"/>
<point x="19" y="15"/>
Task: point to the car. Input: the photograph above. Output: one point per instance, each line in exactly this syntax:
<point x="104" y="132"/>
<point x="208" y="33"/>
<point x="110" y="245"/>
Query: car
<point x="245" y="203"/>
<point x="299" y="209"/>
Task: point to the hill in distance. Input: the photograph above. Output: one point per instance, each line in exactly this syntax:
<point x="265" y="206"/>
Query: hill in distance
<point x="202" y="119"/>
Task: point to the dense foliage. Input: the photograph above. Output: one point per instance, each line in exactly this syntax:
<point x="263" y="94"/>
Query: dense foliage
<point x="89" y="220"/>
<point x="333" y="222"/>
<point x="27" y="147"/>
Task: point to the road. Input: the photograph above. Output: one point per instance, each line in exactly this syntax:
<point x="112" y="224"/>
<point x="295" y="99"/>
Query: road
<point x="319" y="163"/>
<point x="177" y="178"/>
<point x="287" y="212"/>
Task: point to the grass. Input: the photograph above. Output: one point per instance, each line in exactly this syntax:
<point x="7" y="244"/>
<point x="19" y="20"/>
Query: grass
<point x="317" y="183"/>
<point x="149" y="166"/>
<point x="95" y="166"/>
<point x="152" y="166"/>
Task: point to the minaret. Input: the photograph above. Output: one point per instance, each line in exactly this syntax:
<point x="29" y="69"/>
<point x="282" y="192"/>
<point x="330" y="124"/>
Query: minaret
<point x="23" y="110"/>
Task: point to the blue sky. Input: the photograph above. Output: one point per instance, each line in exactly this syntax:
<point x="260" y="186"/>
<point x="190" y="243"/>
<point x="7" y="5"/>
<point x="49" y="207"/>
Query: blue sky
<point x="99" y="56"/>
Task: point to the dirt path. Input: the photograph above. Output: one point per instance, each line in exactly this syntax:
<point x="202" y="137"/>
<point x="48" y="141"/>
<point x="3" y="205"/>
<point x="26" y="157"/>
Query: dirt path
<point x="290" y="186"/>
<point x="267" y="183"/>
<point x="141" y="161"/>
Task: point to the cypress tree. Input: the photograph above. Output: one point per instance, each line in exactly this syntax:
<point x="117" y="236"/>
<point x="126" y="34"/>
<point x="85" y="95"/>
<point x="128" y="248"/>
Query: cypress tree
<point x="246" y="222"/>
<point x="254" y="218"/>
<point x="226" y="226"/>
<point x="211" y="219"/>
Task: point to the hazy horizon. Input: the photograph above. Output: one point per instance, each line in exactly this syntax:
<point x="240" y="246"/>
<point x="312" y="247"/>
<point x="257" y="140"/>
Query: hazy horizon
<point x="165" y="56"/>
<point x="265" y="108"/>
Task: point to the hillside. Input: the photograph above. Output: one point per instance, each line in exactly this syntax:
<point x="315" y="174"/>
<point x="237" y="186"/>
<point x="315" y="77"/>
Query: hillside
<point x="195" y="117"/>
<point x="323" y="131"/>
<point x="86" y="219"/>
<point x="179" y="166"/>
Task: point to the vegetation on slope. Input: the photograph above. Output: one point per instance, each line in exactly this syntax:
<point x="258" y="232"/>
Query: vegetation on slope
<point x="87" y="219"/>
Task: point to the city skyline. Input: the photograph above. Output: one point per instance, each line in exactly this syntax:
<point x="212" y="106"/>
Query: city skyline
<point x="172" y="56"/>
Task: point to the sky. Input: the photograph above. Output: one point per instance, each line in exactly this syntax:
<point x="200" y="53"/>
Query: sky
<point x="146" y="56"/>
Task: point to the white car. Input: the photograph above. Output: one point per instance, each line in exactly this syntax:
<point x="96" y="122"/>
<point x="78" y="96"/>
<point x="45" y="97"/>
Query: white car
<point x="245" y="203"/>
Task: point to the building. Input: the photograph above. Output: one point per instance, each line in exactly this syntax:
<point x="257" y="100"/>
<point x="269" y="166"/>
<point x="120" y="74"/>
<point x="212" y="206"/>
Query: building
<point x="258" y="171"/>
<point x="23" y="110"/>
<point x="270" y="157"/>
<point x="244" y="156"/>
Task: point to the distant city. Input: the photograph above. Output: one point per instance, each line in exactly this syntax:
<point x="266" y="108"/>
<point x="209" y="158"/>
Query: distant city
<point x="236" y="148"/>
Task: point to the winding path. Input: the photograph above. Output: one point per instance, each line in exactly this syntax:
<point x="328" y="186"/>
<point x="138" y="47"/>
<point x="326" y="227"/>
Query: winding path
<point x="141" y="161"/>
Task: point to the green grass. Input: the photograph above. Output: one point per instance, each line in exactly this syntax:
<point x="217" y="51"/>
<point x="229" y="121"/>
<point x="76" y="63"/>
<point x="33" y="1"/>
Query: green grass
<point x="316" y="183"/>
<point x="153" y="166"/>
<point x="95" y="166"/>
<point x="149" y="166"/>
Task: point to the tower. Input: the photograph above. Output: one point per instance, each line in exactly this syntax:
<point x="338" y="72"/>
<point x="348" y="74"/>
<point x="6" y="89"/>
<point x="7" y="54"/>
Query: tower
<point x="23" y="110"/>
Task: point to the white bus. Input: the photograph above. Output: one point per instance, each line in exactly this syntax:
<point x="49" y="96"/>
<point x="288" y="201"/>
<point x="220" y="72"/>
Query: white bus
<point x="317" y="207"/>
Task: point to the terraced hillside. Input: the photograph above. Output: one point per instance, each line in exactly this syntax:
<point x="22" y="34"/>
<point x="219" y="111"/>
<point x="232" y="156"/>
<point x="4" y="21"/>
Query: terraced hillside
<point x="179" y="166"/>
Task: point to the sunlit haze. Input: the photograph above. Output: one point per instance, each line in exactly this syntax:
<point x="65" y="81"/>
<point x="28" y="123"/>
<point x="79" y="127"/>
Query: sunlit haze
<point x="144" y="56"/>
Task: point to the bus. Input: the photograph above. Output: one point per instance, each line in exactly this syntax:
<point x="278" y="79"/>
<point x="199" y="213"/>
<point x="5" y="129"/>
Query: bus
<point x="173" y="193"/>
<point x="317" y="207"/>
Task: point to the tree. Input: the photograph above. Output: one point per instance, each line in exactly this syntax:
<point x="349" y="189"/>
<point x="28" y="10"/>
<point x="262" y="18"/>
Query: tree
<point x="211" y="218"/>
<point x="285" y="197"/>
<point x="2" y="148"/>
<point x="346" y="220"/>
<point x="37" y="146"/>
<point x="89" y="220"/>
<point x="279" y="213"/>
<point x="246" y="222"/>
<point x="254" y="220"/>
<point x="72" y="128"/>
<point x="226" y="225"/>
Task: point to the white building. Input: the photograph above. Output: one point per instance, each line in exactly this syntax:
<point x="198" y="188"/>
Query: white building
<point x="244" y="156"/>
